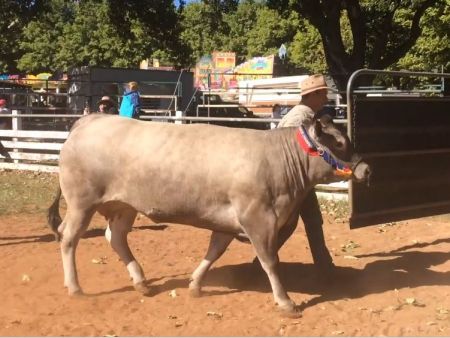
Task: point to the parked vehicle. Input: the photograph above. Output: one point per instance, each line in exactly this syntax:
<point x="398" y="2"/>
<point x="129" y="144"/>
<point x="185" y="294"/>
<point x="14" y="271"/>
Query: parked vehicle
<point x="212" y="105"/>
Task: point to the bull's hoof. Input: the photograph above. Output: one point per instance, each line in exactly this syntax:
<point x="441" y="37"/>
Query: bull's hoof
<point x="142" y="288"/>
<point x="195" y="292"/>
<point x="290" y="311"/>
<point x="76" y="293"/>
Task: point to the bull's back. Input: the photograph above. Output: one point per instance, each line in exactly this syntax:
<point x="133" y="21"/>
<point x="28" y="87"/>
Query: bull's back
<point x="155" y="165"/>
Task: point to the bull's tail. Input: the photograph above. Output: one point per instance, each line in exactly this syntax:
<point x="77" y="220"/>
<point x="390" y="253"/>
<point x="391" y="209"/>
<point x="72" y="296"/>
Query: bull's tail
<point x="53" y="216"/>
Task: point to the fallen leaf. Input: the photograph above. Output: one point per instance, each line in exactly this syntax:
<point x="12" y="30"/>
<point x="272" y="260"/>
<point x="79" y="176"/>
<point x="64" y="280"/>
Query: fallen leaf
<point x="337" y="333"/>
<point x="26" y="278"/>
<point x="431" y="323"/>
<point x="442" y="311"/>
<point x="412" y="301"/>
<point x="173" y="293"/>
<point x="349" y="246"/>
<point x="350" y="257"/>
<point x="100" y="260"/>
<point x="217" y="315"/>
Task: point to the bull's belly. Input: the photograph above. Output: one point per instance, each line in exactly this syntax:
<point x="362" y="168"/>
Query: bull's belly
<point x="219" y="220"/>
<point x="216" y="217"/>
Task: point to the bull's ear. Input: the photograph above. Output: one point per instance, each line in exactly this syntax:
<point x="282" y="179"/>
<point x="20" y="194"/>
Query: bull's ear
<point x="317" y="128"/>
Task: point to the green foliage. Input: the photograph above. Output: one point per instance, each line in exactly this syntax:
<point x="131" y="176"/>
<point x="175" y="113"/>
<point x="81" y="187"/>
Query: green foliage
<point x="202" y="30"/>
<point x="306" y="50"/>
<point x="270" y="31"/>
<point x="92" y="40"/>
<point x="321" y="36"/>
<point x="432" y="49"/>
<point x="41" y="37"/>
<point x="14" y="15"/>
<point x="240" y="23"/>
<point x="82" y="33"/>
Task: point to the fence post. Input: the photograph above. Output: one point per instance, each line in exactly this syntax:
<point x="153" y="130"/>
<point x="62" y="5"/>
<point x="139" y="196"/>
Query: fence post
<point x="179" y="113"/>
<point x="16" y="125"/>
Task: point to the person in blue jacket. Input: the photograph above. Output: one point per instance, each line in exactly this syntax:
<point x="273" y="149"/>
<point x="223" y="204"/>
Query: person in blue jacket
<point x="131" y="101"/>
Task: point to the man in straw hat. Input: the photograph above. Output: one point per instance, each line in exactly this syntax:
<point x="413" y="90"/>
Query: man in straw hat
<point x="314" y="91"/>
<point x="106" y="106"/>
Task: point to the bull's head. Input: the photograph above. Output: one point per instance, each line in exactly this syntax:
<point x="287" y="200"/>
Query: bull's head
<point x="335" y="148"/>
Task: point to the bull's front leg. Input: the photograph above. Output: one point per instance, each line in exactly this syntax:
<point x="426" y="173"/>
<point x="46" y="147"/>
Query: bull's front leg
<point x="260" y="225"/>
<point x="116" y="233"/>
<point x="218" y="243"/>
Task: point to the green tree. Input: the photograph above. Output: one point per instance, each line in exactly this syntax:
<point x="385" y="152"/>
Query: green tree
<point x="40" y="39"/>
<point x="159" y="23"/>
<point x="239" y="24"/>
<point x="306" y="50"/>
<point x="91" y="32"/>
<point x="382" y="31"/>
<point x="270" y="31"/>
<point x="202" y="30"/>
<point x="92" y="40"/>
<point x="14" y="15"/>
<point x="432" y="49"/>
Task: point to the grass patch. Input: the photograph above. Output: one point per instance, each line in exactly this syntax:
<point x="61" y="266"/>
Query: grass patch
<point x="26" y="192"/>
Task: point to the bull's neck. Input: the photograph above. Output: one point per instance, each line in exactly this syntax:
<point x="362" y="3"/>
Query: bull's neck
<point x="297" y="163"/>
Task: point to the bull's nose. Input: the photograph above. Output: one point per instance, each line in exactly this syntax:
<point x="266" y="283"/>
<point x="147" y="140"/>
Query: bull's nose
<point x="362" y="172"/>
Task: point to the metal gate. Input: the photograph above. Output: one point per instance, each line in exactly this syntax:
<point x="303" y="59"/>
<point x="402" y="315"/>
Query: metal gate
<point x="406" y="141"/>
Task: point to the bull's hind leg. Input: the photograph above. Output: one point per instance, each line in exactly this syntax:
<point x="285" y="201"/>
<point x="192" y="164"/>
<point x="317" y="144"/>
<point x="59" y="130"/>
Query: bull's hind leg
<point x="218" y="243"/>
<point x="116" y="233"/>
<point x="72" y="228"/>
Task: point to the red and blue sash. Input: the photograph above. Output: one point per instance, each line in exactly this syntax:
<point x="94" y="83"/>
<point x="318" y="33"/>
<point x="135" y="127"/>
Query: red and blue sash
<point x="307" y="144"/>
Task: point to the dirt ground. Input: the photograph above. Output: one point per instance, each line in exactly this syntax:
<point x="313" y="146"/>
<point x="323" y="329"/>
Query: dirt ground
<point x="392" y="280"/>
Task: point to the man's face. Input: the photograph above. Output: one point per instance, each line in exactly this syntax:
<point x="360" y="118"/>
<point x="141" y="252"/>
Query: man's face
<point x="103" y="107"/>
<point x="322" y="98"/>
<point x="316" y="100"/>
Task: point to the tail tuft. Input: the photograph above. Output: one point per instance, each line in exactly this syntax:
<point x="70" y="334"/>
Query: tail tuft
<point x="53" y="216"/>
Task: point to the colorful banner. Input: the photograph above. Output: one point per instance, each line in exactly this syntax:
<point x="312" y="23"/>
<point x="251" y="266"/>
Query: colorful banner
<point x="257" y="68"/>
<point x="219" y="71"/>
<point x="202" y="69"/>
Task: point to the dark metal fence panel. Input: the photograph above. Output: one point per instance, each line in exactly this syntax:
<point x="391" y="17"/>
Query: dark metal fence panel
<point x="406" y="141"/>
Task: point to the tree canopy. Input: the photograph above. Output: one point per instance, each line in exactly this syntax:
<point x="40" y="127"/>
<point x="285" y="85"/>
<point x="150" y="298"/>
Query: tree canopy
<point x="329" y="36"/>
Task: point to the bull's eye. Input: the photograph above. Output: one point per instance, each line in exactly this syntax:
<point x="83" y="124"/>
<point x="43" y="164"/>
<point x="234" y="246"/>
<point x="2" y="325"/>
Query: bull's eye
<point x="339" y="145"/>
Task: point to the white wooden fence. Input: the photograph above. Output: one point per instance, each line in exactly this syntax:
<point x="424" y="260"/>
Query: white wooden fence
<point x="31" y="149"/>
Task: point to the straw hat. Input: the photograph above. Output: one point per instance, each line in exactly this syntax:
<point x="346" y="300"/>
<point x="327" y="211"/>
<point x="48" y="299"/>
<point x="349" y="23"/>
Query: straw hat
<point x="313" y="83"/>
<point x="105" y="100"/>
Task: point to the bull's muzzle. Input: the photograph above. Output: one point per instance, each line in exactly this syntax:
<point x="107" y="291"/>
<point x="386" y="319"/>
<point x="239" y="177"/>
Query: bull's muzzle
<point x="361" y="170"/>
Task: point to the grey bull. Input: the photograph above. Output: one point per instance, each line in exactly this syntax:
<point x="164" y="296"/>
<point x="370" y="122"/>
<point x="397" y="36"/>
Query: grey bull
<point x="231" y="181"/>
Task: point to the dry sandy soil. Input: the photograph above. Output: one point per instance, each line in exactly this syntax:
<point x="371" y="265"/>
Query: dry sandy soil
<point x="392" y="280"/>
